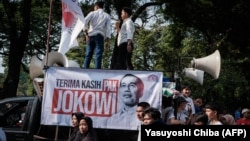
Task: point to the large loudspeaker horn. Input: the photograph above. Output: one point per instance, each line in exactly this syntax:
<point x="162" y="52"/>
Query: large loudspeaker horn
<point x="194" y="74"/>
<point x="35" y="67"/>
<point x="54" y="59"/>
<point x="210" y="64"/>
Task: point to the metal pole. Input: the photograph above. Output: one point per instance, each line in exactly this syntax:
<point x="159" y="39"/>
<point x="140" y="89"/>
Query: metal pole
<point x="48" y="50"/>
<point x="48" y="36"/>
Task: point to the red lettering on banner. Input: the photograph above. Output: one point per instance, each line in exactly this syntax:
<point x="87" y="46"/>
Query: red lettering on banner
<point x="92" y="103"/>
<point x="110" y="85"/>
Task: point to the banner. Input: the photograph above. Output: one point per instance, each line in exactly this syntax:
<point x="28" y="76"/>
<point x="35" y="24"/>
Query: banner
<point x="72" y="24"/>
<point x="109" y="97"/>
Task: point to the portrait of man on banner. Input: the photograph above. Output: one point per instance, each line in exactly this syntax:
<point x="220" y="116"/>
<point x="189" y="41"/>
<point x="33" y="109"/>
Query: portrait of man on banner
<point x="130" y="91"/>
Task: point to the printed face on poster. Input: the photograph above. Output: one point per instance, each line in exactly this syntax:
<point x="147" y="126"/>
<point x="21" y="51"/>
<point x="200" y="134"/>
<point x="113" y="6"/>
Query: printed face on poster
<point x="109" y="97"/>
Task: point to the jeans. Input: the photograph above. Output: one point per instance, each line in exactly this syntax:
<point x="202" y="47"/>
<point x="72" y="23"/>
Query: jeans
<point x="95" y="43"/>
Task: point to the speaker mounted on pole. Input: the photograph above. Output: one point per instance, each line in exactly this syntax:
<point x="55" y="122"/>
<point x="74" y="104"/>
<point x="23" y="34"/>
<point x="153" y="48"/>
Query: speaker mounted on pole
<point x="210" y="64"/>
<point x="195" y="74"/>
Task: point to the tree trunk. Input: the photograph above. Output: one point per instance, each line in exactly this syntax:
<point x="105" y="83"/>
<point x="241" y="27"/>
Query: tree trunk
<point x="18" y="39"/>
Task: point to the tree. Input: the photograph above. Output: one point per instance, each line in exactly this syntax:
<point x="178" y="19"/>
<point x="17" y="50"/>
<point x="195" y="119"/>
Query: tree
<point x="19" y="17"/>
<point x="219" y="21"/>
<point x="17" y="35"/>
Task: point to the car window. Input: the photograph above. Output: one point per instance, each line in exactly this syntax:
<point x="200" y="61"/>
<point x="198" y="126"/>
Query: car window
<point x="12" y="113"/>
<point x="5" y="107"/>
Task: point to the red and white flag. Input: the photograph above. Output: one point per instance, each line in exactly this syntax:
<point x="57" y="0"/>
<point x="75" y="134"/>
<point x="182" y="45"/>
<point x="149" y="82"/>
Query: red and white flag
<point x="72" y="23"/>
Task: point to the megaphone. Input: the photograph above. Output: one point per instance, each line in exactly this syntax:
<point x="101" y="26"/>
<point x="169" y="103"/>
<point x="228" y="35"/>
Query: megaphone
<point x="54" y="59"/>
<point x="194" y="74"/>
<point x="210" y="64"/>
<point x="35" y="68"/>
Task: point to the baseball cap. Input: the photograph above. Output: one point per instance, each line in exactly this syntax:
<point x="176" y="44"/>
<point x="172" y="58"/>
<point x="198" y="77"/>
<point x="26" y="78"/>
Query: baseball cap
<point x="245" y="110"/>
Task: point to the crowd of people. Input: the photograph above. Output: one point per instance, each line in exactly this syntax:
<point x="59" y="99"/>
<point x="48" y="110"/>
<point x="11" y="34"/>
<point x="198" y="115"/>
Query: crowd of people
<point x="180" y="110"/>
<point x="185" y="110"/>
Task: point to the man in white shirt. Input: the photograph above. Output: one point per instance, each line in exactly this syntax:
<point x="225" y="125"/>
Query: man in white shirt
<point x="125" y="40"/>
<point x="97" y="29"/>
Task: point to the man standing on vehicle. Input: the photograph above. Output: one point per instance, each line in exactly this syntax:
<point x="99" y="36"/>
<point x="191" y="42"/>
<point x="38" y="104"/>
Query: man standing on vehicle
<point x="125" y="40"/>
<point x="97" y="29"/>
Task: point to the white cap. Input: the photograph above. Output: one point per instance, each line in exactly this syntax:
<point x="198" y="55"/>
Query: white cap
<point x="245" y="110"/>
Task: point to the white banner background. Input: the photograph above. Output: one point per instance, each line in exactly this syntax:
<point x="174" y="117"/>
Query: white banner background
<point x="72" y="98"/>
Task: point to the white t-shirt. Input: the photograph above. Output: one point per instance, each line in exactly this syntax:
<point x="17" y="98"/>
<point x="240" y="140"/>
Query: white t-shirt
<point x="126" y="32"/>
<point x="99" y="22"/>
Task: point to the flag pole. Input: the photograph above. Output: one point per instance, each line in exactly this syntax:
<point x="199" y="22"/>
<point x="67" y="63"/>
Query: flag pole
<point x="48" y="50"/>
<point x="48" y="35"/>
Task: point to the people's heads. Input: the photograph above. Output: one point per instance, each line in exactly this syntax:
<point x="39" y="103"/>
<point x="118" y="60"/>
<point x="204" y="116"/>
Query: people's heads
<point x="198" y="102"/>
<point x="140" y="108"/>
<point x="85" y="125"/>
<point x="98" y="5"/>
<point x="75" y="118"/>
<point x="150" y="115"/>
<point x="126" y="12"/>
<point x="246" y="113"/>
<point x="227" y="119"/>
<point x="185" y="90"/>
<point x="131" y="89"/>
<point x="212" y="110"/>
<point x="179" y="102"/>
<point x="200" y="119"/>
